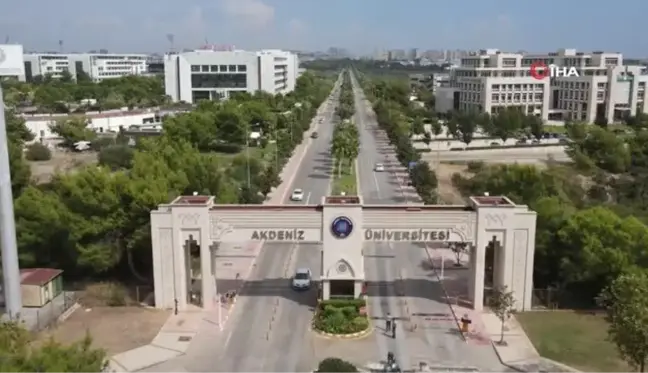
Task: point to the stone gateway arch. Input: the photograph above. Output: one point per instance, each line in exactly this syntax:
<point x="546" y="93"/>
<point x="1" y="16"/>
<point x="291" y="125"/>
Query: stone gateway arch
<point x="342" y="224"/>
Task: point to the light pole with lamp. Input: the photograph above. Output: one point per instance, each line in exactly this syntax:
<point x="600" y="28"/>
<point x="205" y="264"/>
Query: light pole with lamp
<point x="212" y="250"/>
<point x="10" y="267"/>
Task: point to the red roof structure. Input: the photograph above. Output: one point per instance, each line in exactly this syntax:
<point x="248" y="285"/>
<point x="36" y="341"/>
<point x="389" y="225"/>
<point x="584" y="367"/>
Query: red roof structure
<point x="38" y="276"/>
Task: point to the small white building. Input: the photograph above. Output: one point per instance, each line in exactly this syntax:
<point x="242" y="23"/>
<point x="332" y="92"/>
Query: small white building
<point x="11" y="61"/>
<point x="100" y="122"/>
<point x="208" y="74"/>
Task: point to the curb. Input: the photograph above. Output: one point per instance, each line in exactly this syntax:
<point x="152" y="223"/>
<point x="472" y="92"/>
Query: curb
<point x="353" y="336"/>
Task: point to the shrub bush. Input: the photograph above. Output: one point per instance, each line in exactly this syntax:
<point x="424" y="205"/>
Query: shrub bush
<point x="341" y="316"/>
<point x="334" y="364"/>
<point x="475" y="166"/>
<point x="38" y="152"/>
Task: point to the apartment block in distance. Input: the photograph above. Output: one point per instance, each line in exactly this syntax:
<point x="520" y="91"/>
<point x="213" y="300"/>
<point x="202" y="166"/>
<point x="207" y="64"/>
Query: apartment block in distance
<point x="490" y="80"/>
<point x="208" y="74"/>
<point x="98" y="66"/>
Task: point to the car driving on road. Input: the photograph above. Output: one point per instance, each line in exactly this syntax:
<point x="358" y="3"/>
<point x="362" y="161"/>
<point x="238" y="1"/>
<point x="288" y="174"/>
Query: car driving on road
<point x="379" y="167"/>
<point x="302" y="279"/>
<point x="297" y="195"/>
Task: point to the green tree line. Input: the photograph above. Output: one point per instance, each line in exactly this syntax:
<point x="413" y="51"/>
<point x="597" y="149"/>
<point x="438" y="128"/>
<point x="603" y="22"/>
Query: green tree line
<point x="345" y="143"/>
<point x="63" y="95"/>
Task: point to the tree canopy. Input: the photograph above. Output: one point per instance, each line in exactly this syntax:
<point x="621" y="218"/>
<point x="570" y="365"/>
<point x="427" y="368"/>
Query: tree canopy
<point x="65" y="95"/>
<point x="96" y="220"/>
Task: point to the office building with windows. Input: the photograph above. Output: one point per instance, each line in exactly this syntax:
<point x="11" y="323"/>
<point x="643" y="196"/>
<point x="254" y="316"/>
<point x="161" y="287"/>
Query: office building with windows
<point x="211" y="74"/>
<point x="98" y="66"/>
<point x="605" y="88"/>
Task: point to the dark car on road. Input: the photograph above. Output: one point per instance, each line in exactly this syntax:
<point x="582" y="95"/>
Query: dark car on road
<point x="314" y="135"/>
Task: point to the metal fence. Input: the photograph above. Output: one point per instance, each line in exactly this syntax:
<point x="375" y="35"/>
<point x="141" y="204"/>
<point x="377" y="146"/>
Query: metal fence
<point x="555" y="299"/>
<point x="37" y="319"/>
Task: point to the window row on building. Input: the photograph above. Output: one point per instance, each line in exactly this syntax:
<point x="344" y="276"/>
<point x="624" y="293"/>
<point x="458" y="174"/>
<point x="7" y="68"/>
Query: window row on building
<point x="602" y="88"/>
<point x="212" y="74"/>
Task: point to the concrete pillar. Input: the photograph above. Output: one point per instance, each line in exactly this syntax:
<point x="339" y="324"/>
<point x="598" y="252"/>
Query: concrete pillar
<point x="326" y="290"/>
<point x="357" y="288"/>
<point x="476" y="284"/>
<point x="189" y="275"/>
<point x="206" y="264"/>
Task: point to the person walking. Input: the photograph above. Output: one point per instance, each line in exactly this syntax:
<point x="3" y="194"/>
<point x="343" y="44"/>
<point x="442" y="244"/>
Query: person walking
<point x="388" y="322"/>
<point x="393" y="329"/>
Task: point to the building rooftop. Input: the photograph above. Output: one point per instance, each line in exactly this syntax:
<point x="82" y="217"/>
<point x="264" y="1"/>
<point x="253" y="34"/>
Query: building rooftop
<point x="192" y="200"/>
<point x="38" y="276"/>
<point x="342" y="200"/>
<point x="491" y="201"/>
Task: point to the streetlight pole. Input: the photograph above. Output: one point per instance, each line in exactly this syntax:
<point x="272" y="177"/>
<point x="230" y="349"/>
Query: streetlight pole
<point x="276" y="139"/>
<point x="247" y="154"/>
<point x="219" y="298"/>
<point x="10" y="268"/>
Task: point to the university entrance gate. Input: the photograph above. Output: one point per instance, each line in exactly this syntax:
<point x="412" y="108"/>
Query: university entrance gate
<point x="342" y="224"/>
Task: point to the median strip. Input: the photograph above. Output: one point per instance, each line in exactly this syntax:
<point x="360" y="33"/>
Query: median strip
<point x="344" y="179"/>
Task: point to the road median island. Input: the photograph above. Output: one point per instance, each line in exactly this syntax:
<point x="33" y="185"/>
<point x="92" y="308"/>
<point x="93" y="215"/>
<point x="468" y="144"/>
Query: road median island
<point x="344" y="180"/>
<point x="342" y="318"/>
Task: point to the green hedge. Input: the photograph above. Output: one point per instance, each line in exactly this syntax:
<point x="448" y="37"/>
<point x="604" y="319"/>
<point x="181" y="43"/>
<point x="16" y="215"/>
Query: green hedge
<point x="357" y="303"/>
<point x="341" y="316"/>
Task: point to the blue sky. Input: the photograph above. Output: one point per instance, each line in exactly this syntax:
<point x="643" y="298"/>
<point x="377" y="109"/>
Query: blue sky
<point x="360" y="25"/>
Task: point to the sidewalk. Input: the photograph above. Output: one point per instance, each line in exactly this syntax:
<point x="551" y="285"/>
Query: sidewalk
<point x="234" y="262"/>
<point x="486" y="328"/>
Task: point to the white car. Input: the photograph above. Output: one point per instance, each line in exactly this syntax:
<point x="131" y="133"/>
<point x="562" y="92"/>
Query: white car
<point x="379" y="167"/>
<point x="302" y="279"/>
<point x="297" y="195"/>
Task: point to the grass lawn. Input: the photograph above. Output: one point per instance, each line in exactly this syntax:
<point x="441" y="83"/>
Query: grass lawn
<point x="345" y="181"/>
<point x="573" y="338"/>
<point x="267" y="154"/>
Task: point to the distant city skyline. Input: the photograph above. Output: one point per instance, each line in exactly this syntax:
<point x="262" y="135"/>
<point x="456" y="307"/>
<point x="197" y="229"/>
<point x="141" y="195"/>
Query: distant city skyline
<point x="360" y="26"/>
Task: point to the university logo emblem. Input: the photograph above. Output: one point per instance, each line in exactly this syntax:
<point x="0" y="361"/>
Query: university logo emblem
<point x="342" y="227"/>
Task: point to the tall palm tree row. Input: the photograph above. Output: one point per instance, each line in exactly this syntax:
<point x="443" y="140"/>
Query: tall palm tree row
<point x="345" y="143"/>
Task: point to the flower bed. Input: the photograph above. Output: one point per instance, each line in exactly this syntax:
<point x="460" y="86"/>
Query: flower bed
<point x="341" y="316"/>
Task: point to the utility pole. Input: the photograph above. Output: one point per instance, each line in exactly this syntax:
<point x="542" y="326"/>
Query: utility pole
<point x="10" y="269"/>
<point x="247" y="153"/>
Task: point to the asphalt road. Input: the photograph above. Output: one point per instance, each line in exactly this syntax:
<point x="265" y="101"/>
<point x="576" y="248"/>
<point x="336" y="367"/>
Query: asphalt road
<point x="400" y="283"/>
<point x="268" y="328"/>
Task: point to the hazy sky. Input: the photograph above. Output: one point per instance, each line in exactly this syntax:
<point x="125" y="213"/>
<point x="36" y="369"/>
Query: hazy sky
<point x="360" y="25"/>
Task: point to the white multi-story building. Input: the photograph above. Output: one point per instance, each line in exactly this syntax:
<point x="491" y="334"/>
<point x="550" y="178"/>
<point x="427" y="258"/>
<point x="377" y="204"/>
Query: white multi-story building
<point x="11" y="61"/>
<point x="98" y="66"/>
<point x="604" y="88"/>
<point x="208" y="74"/>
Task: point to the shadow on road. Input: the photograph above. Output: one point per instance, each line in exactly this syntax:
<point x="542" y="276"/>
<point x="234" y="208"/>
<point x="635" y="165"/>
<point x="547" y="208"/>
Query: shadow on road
<point x="423" y="288"/>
